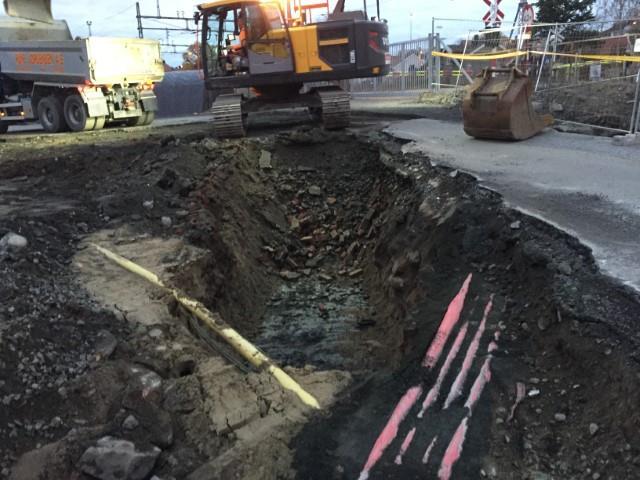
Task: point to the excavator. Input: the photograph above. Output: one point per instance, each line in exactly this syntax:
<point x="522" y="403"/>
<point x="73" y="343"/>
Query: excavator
<point x="262" y="55"/>
<point x="497" y="106"/>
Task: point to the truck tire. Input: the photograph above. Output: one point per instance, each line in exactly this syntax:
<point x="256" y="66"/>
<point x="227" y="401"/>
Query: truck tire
<point x="4" y="127"/>
<point x="145" y="119"/>
<point x="50" y="114"/>
<point x="77" y="115"/>
<point x="100" y="122"/>
<point x="149" y="118"/>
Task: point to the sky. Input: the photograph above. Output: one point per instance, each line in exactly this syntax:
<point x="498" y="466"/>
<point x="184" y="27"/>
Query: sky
<point x="407" y="18"/>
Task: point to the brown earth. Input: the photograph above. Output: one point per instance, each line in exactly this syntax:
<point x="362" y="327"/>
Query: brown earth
<point x="334" y="253"/>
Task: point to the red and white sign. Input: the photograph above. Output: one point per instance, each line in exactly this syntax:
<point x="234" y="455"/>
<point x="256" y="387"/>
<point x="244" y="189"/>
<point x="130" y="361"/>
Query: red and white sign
<point x="494" y="16"/>
<point x="527" y="17"/>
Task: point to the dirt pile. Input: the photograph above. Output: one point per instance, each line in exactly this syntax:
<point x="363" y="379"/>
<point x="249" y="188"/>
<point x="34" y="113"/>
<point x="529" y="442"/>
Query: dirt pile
<point x="336" y="254"/>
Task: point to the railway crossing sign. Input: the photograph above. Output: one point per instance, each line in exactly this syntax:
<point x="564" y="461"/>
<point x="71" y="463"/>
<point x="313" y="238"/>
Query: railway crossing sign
<point x="494" y="16"/>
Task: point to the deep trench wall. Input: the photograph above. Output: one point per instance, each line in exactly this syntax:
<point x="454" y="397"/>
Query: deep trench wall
<point x="551" y="304"/>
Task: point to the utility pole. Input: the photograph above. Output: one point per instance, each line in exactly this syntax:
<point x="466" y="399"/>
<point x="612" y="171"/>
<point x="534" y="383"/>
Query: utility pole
<point x="139" y="18"/>
<point x="89" y="23"/>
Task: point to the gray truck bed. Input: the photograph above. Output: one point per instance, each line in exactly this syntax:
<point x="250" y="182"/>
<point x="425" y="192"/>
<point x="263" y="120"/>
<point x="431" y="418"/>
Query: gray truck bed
<point x="94" y="60"/>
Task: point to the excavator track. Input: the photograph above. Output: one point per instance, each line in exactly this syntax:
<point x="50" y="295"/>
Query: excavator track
<point x="335" y="107"/>
<point x="228" y="120"/>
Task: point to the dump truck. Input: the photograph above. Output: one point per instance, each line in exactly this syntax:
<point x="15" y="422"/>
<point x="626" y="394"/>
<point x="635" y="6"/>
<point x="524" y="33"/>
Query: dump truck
<point x="72" y="84"/>
<point x="262" y="55"/>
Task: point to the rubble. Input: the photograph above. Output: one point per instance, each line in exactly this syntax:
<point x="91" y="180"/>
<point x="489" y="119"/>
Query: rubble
<point x="334" y="267"/>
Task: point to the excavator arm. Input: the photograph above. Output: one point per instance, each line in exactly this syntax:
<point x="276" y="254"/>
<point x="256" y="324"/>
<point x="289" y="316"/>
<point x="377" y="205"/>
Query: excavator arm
<point x="38" y="10"/>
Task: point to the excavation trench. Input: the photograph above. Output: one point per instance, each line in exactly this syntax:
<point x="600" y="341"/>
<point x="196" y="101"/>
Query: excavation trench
<point x="338" y="256"/>
<point x="362" y="249"/>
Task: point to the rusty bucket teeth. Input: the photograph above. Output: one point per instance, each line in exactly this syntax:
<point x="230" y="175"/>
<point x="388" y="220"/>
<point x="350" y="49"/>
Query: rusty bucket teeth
<point x="498" y="106"/>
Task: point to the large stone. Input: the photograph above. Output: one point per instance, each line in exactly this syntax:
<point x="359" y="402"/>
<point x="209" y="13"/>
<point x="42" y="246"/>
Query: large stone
<point x="115" y="459"/>
<point x="265" y="160"/>
<point x="106" y="344"/>
<point x="13" y="241"/>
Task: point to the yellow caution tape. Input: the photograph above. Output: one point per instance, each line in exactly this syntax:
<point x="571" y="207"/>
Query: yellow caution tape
<point x="477" y="56"/>
<point x="513" y="54"/>
<point x="589" y="56"/>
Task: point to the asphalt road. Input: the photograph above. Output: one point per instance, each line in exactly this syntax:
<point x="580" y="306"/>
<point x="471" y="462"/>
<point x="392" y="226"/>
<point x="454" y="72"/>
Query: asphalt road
<point x="584" y="185"/>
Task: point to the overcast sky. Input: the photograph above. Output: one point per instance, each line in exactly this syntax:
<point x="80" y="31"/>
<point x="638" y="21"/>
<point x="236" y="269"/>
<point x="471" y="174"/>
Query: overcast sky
<point x="118" y="17"/>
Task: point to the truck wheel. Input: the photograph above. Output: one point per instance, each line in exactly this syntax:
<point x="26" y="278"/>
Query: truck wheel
<point x="100" y="121"/>
<point x="77" y="115"/>
<point x="136" y="121"/>
<point x="4" y="127"/>
<point x="50" y="114"/>
<point x="149" y="117"/>
<point x="145" y="119"/>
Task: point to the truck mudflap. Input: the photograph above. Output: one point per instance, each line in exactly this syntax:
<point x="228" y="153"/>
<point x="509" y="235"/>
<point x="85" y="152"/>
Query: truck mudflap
<point x="96" y="102"/>
<point x="149" y="102"/>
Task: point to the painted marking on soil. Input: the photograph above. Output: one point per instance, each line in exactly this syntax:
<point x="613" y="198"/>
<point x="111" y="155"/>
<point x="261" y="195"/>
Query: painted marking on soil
<point x="483" y="378"/>
<point x="449" y="321"/>
<point x="427" y="454"/>
<point x="521" y="392"/>
<point x="454" y="450"/>
<point x="458" y="384"/>
<point x="405" y="445"/>
<point x="434" y="392"/>
<point x="390" y="430"/>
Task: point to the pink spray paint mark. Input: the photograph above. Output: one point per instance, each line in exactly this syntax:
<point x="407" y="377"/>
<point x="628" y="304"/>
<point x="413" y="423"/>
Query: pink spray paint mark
<point x="427" y="454"/>
<point x="449" y="321"/>
<point x="458" y="384"/>
<point x="405" y="446"/>
<point x="521" y="391"/>
<point x="454" y="450"/>
<point x="483" y="378"/>
<point x="390" y="430"/>
<point x="433" y="394"/>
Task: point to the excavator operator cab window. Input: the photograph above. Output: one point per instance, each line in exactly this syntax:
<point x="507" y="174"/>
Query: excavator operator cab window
<point x="256" y="24"/>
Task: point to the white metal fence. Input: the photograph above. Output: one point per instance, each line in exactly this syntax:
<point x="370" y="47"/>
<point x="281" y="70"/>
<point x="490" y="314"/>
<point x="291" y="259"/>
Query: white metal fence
<point x="582" y="72"/>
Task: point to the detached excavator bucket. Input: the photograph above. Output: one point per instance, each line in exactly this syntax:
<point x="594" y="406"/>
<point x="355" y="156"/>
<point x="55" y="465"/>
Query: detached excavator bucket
<point x="498" y="106"/>
<point x="38" y="10"/>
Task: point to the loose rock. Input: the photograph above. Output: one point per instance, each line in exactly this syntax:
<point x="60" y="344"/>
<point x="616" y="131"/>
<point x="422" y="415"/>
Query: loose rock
<point x="315" y="190"/>
<point x="13" y="241"/>
<point x="115" y="459"/>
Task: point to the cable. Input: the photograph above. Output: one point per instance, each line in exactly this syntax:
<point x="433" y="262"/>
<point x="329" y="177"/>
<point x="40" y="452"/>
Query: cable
<point x="117" y="13"/>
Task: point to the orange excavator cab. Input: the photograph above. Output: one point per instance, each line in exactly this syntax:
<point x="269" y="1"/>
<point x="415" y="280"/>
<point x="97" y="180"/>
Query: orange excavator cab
<point x="497" y="105"/>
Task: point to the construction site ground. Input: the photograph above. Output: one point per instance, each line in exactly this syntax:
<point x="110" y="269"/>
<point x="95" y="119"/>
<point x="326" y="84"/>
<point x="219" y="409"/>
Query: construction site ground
<point x="337" y="253"/>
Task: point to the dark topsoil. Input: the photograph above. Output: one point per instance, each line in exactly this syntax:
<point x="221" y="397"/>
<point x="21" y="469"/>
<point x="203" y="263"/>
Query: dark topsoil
<point x="404" y="232"/>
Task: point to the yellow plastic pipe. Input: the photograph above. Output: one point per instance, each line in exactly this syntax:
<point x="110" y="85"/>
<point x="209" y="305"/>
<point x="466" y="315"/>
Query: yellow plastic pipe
<point x="219" y="326"/>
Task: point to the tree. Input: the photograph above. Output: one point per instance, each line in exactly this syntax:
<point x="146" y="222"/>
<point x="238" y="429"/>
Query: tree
<point x="191" y="57"/>
<point x="565" y="11"/>
<point x="618" y="9"/>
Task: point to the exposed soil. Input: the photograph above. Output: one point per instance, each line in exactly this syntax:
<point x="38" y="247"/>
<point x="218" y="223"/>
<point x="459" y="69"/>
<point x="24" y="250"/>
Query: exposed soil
<point x="334" y="253"/>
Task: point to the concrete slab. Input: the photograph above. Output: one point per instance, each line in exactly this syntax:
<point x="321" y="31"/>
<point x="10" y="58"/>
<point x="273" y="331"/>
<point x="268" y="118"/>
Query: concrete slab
<point x="585" y="185"/>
